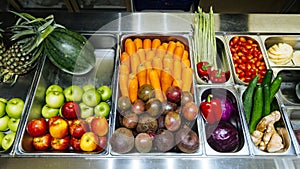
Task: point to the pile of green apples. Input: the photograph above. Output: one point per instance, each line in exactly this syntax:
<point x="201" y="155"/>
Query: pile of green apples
<point x="10" y="114"/>
<point x="74" y="118"/>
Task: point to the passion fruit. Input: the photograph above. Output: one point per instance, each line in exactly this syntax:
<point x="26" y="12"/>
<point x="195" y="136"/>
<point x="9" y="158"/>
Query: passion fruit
<point x="154" y="107"/>
<point x="146" y="124"/>
<point x="146" y="92"/>
<point x="130" y="120"/>
<point x="187" y="140"/>
<point x="122" y="140"/>
<point x="164" y="140"/>
<point x="143" y="143"/>
<point x="124" y="103"/>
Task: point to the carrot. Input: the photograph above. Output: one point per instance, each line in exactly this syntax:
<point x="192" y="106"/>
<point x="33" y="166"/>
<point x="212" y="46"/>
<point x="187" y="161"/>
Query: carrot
<point x="178" y="43"/>
<point x="124" y="58"/>
<point x="171" y="47"/>
<point x="135" y="61"/>
<point x="133" y="87"/>
<point x="124" y="68"/>
<point x="157" y="64"/>
<point x="177" y="69"/>
<point x="160" y="51"/>
<point x="142" y="55"/>
<point x="155" y="43"/>
<point x="155" y="83"/>
<point x="148" y="66"/>
<point x="177" y="82"/>
<point x="186" y="62"/>
<point x="128" y="40"/>
<point x="178" y="52"/>
<point x="142" y="74"/>
<point x="150" y="54"/>
<point x="130" y="48"/>
<point x="168" y="62"/>
<point x="147" y="44"/>
<point x="166" y="79"/>
<point x="138" y="43"/>
<point x="123" y="82"/>
<point x="187" y="73"/>
<point x="185" y="55"/>
<point x="165" y="45"/>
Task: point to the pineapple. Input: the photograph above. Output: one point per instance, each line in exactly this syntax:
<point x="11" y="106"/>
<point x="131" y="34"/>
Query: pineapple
<point x="2" y="49"/>
<point x="28" y="35"/>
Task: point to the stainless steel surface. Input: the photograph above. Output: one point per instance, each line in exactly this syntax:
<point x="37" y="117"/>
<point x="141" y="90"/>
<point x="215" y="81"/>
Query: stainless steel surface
<point x="174" y="23"/>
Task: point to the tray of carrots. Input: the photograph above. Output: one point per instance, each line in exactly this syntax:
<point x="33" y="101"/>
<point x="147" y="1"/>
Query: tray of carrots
<point x="155" y="82"/>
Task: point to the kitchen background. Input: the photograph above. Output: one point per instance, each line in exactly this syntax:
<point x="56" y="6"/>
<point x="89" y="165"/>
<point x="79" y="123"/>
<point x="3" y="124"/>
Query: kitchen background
<point x="220" y="6"/>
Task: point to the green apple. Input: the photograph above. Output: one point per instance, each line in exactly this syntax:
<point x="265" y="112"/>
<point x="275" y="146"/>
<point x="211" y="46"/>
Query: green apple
<point x="86" y="111"/>
<point x="3" y="100"/>
<point x="14" y="108"/>
<point x="91" y="97"/>
<point x="1" y="138"/>
<point x="87" y="87"/>
<point x="2" y="108"/>
<point x="73" y="93"/>
<point x="13" y="124"/>
<point x="48" y="112"/>
<point x="55" y="99"/>
<point x="102" y="109"/>
<point x="105" y="92"/>
<point x="4" y="123"/>
<point x="54" y="88"/>
<point x="8" y="140"/>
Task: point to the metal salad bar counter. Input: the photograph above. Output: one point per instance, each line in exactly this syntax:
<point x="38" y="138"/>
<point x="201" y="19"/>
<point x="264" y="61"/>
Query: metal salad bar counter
<point x="261" y="32"/>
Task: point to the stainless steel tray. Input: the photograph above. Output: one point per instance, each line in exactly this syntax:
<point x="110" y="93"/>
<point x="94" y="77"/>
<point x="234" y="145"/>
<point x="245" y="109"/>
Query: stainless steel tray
<point x="174" y="152"/>
<point x="228" y="92"/>
<point x="287" y="92"/>
<point x="289" y="149"/>
<point x="103" y="74"/>
<point x="222" y="61"/>
<point x="23" y="89"/>
<point x="256" y="38"/>
<point x="293" y="40"/>
<point x="293" y="114"/>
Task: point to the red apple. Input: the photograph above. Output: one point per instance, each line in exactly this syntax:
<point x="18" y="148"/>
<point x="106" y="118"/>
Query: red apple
<point x="42" y="142"/>
<point x="78" y="127"/>
<point x="190" y="111"/>
<point x="60" y="143"/>
<point x="102" y="143"/>
<point x="70" y="110"/>
<point x="173" y="94"/>
<point x="59" y="128"/>
<point x="89" y="141"/>
<point x="52" y="119"/>
<point x="75" y="144"/>
<point x="37" y="127"/>
<point x="99" y="126"/>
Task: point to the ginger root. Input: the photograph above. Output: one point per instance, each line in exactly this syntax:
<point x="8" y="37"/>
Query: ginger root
<point x="265" y="136"/>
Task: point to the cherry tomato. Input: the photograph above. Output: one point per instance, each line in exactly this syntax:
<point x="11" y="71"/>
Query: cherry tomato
<point x="248" y="74"/>
<point x="247" y="58"/>
<point x="247" y="79"/>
